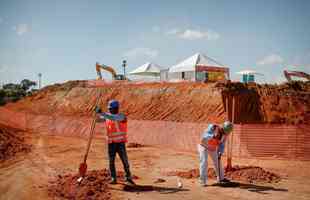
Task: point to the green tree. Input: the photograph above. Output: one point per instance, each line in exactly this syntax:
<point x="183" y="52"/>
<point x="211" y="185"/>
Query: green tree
<point x="13" y="92"/>
<point x="12" y="86"/>
<point x="27" y="84"/>
<point x="2" y="96"/>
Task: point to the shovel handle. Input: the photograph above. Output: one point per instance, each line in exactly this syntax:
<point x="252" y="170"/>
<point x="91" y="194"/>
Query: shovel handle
<point x="92" y="130"/>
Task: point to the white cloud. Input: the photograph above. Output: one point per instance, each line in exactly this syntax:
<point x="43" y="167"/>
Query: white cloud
<point x="173" y="32"/>
<point x="195" y="35"/>
<point x="190" y="34"/>
<point x="156" y="29"/>
<point x="21" y="29"/>
<point x="138" y="52"/>
<point x="271" y="60"/>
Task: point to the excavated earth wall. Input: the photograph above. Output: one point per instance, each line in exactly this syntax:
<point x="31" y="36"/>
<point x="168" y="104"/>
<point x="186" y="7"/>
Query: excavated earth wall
<point x="271" y="121"/>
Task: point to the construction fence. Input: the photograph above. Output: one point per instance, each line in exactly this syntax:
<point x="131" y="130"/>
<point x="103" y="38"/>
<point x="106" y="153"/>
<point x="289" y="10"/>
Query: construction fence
<point x="266" y="141"/>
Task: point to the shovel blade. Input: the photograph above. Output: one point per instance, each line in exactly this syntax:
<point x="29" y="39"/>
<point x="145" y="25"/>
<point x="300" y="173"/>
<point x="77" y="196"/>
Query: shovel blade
<point x="82" y="169"/>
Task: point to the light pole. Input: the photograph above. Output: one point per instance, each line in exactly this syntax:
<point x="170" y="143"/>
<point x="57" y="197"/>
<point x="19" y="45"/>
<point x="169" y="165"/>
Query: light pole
<point x="124" y="66"/>
<point x="40" y="76"/>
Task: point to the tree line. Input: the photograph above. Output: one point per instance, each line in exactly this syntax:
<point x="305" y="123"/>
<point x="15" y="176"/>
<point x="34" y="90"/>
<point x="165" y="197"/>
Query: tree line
<point x="13" y="92"/>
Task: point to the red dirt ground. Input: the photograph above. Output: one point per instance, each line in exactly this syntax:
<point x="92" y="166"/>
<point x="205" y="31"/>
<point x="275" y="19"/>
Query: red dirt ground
<point x="178" y="102"/>
<point x="12" y="142"/>
<point x="249" y="174"/>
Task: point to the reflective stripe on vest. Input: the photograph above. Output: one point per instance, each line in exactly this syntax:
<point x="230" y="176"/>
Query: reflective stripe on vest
<point x="116" y="131"/>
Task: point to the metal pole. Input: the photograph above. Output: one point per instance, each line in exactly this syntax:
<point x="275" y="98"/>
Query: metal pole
<point x="40" y="76"/>
<point x="232" y="133"/>
<point x="228" y="164"/>
<point x="124" y="66"/>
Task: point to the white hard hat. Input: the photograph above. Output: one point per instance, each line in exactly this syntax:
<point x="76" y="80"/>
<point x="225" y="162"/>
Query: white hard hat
<point x="227" y="126"/>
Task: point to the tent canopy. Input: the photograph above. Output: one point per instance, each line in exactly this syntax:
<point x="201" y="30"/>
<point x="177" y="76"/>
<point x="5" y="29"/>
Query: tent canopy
<point x="249" y="72"/>
<point x="190" y="63"/>
<point x="148" y="69"/>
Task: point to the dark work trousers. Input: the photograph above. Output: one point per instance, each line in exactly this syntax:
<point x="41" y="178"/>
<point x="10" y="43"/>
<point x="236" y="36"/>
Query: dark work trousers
<point x="119" y="148"/>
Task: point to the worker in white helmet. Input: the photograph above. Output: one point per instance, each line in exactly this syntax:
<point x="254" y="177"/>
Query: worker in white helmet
<point x="213" y="143"/>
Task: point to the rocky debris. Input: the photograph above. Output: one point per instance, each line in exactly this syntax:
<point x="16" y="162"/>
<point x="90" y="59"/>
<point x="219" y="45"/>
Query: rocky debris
<point x="12" y="142"/>
<point x="249" y="174"/>
<point x="95" y="185"/>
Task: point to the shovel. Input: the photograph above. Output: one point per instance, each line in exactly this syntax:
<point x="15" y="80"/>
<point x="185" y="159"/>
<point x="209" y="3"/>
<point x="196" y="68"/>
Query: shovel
<point x="83" y="165"/>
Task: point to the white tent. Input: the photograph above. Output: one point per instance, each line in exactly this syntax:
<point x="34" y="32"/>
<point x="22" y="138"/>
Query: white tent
<point x="190" y="63"/>
<point x="148" y="69"/>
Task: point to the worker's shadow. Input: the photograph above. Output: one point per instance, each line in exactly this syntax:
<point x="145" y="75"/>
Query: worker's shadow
<point x="150" y="188"/>
<point x="251" y="187"/>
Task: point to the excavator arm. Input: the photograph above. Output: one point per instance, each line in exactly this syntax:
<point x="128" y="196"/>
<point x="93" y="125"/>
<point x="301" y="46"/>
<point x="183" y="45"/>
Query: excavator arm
<point x="288" y="75"/>
<point x="107" y="68"/>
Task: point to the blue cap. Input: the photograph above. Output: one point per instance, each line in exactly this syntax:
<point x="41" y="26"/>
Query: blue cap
<point x="113" y="104"/>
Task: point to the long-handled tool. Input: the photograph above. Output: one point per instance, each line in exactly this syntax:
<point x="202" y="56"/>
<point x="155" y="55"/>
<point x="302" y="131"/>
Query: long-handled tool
<point x="219" y="167"/>
<point x="83" y="165"/>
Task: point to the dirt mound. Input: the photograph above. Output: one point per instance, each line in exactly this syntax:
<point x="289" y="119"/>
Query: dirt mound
<point x="287" y="103"/>
<point x="250" y="174"/>
<point x="12" y="142"/>
<point x="149" y="101"/>
<point x="93" y="186"/>
<point x="178" y="102"/>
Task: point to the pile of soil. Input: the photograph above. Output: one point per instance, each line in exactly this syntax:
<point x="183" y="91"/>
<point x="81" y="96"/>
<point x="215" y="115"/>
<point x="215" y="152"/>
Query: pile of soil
<point x="180" y="102"/>
<point x="287" y="103"/>
<point x="148" y="101"/>
<point x="95" y="185"/>
<point x="12" y="142"/>
<point x="249" y="174"/>
<point x="252" y="174"/>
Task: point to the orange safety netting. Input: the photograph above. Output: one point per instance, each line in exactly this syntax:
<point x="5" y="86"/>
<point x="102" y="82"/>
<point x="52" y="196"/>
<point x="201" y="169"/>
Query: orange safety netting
<point x="250" y="140"/>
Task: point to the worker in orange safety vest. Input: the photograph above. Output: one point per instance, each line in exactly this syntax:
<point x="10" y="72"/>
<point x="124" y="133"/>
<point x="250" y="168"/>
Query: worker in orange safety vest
<point x="213" y="143"/>
<point x="116" y="126"/>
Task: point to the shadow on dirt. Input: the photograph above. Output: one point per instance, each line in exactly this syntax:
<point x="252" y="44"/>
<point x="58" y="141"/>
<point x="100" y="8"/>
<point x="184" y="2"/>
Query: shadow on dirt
<point x="150" y="188"/>
<point x="251" y="187"/>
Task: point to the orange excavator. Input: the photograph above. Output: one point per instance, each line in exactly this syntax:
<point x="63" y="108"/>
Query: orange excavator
<point x="115" y="76"/>
<point x="288" y="75"/>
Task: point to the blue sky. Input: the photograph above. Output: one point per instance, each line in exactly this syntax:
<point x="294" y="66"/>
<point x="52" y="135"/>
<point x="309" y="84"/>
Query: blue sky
<point x="63" y="39"/>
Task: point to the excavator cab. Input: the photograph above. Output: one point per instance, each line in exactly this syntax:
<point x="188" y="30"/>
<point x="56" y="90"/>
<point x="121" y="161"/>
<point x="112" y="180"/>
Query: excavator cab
<point x="120" y="77"/>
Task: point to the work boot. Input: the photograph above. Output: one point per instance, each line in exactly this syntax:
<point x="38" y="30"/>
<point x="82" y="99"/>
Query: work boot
<point x="130" y="181"/>
<point x="225" y="180"/>
<point x="113" y="181"/>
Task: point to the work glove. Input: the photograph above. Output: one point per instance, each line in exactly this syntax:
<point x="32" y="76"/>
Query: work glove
<point x="98" y="109"/>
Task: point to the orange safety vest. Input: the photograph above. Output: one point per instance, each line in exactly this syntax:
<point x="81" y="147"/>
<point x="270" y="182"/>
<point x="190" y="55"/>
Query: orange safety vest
<point x="213" y="144"/>
<point x="116" y="131"/>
